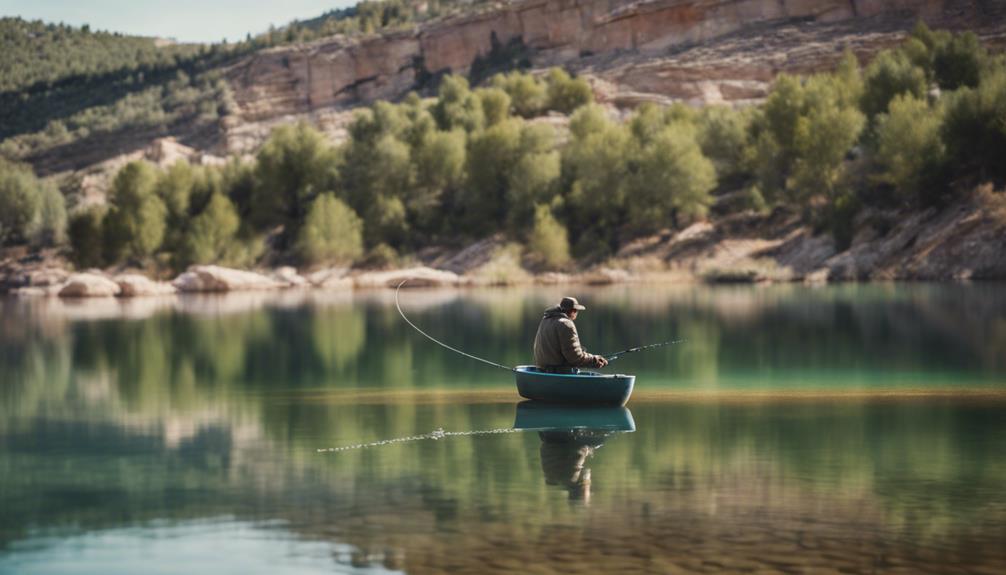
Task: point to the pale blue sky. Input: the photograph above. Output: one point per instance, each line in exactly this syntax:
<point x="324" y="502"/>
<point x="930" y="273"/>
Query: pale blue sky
<point x="184" y="20"/>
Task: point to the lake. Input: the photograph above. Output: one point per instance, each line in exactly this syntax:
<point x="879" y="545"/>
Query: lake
<point x="850" y="428"/>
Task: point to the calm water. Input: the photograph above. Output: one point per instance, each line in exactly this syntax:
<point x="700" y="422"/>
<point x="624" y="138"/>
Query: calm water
<point x="842" y="429"/>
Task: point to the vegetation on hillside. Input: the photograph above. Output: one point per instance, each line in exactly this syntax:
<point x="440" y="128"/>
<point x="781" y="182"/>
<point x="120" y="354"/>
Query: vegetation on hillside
<point x="471" y="163"/>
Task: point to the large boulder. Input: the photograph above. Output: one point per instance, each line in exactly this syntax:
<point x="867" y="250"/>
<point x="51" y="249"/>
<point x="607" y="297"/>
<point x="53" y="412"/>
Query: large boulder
<point x="331" y="278"/>
<point x="89" y="285"/>
<point x="221" y="279"/>
<point x="134" y="285"/>
<point x="289" y="276"/>
<point x="418" y="277"/>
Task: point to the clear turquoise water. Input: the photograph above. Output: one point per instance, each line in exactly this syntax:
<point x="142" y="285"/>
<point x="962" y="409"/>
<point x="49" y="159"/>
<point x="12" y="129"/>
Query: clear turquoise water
<point x="848" y="428"/>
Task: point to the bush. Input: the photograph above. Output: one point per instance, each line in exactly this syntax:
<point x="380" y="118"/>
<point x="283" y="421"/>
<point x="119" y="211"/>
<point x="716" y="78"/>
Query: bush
<point x="565" y="94"/>
<point x="910" y="150"/>
<point x="332" y="232"/>
<point x="723" y="136"/>
<point x="495" y="105"/>
<point x="86" y="233"/>
<point x="440" y="168"/>
<point x="492" y="156"/>
<point x="528" y="95"/>
<point x="548" y="241"/>
<point x="959" y="61"/>
<point x="891" y="73"/>
<point x="135" y="224"/>
<point x="20" y="201"/>
<point x="457" y="106"/>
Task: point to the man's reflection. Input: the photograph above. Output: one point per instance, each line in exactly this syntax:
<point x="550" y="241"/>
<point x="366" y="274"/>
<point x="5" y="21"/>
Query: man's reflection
<point x="564" y="455"/>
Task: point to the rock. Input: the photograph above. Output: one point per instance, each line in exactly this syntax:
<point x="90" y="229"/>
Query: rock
<point x="605" y="276"/>
<point x="134" y="285"/>
<point x="221" y="279"/>
<point x="89" y="285"/>
<point x="46" y="277"/>
<point x="418" y="277"/>
<point x="32" y="291"/>
<point x="289" y="276"/>
<point x="553" y="278"/>
<point x="331" y="278"/>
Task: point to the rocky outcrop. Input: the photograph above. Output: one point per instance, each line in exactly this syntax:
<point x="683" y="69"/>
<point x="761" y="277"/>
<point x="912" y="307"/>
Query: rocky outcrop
<point x="594" y="35"/>
<point x="89" y="285"/>
<point x="221" y="279"/>
<point x="418" y="277"/>
<point x="136" y="285"/>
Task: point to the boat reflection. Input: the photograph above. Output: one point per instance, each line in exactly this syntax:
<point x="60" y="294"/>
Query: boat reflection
<point x="569" y="438"/>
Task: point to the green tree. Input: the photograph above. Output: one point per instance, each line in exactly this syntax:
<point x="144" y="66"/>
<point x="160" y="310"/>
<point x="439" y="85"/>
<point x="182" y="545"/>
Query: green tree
<point x="959" y="61"/>
<point x="495" y="105"/>
<point x="891" y="73"/>
<point x="534" y="178"/>
<point x="135" y="224"/>
<point x="86" y="234"/>
<point x="910" y="150"/>
<point x="974" y="128"/>
<point x="672" y="179"/>
<point x="548" y="241"/>
<point x="457" y="106"/>
<point x="723" y="136"/>
<point x="528" y="95"/>
<point x="332" y="232"/>
<point x="565" y="93"/>
<point x="294" y="165"/>
<point x="19" y="202"/>
<point x="492" y="157"/>
<point x="212" y="235"/>
<point x="440" y="170"/>
<point x="50" y="226"/>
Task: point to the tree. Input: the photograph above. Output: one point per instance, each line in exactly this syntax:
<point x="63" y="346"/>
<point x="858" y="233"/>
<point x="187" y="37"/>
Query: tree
<point x="332" y="232"/>
<point x="974" y="127"/>
<point x="723" y="136"/>
<point x="50" y="225"/>
<point x="211" y="236"/>
<point x="86" y="235"/>
<point x="440" y="169"/>
<point x="457" y="106"/>
<point x="565" y="93"/>
<point x="492" y="157"/>
<point x="672" y="178"/>
<point x="910" y="150"/>
<point x="527" y="94"/>
<point x="19" y="202"/>
<point x="135" y="224"/>
<point x="495" y="105"/>
<point x="548" y="240"/>
<point x="891" y="73"/>
<point x="294" y="165"/>
<point x="959" y="61"/>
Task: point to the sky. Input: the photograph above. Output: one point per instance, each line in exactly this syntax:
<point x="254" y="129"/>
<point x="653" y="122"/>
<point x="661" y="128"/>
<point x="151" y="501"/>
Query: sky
<point x="183" y="20"/>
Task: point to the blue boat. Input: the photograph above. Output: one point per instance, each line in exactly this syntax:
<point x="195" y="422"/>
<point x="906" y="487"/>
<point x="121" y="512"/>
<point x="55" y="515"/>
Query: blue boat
<point x="583" y="388"/>
<point x="537" y="416"/>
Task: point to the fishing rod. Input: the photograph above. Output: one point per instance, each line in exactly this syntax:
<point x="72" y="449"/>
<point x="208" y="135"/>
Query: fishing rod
<point x="616" y="355"/>
<point x="437" y="341"/>
<point x="610" y="358"/>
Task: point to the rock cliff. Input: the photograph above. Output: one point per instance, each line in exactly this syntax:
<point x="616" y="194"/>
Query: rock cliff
<point x="642" y="46"/>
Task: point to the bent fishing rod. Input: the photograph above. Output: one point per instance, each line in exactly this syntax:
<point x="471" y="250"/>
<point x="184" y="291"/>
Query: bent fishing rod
<point x="609" y="357"/>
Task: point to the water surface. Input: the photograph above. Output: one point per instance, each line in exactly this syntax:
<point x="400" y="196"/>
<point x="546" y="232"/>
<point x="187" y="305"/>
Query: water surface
<point x="839" y="429"/>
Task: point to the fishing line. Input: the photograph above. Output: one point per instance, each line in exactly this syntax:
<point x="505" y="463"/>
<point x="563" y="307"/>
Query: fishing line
<point x="437" y="341"/>
<point x="617" y="354"/>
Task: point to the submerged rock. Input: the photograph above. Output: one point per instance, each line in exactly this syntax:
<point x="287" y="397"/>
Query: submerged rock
<point x="89" y="285"/>
<point x="221" y="279"/>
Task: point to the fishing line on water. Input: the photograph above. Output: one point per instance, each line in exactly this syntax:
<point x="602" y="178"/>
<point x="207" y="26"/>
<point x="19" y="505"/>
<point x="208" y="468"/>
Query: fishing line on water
<point x="437" y="341"/>
<point x="435" y="435"/>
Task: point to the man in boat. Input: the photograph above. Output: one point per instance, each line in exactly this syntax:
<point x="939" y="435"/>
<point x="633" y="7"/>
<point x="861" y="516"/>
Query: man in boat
<point x="557" y="346"/>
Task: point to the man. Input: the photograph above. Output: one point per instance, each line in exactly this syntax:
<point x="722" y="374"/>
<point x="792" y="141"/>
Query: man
<point x="557" y="345"/>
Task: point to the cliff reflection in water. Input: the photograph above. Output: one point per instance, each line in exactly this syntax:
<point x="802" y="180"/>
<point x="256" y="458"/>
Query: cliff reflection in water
<point x="212" y="407"/>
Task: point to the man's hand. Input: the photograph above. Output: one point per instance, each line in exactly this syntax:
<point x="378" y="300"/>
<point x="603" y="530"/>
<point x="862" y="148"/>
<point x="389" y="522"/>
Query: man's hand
<point x="600" y="361"/>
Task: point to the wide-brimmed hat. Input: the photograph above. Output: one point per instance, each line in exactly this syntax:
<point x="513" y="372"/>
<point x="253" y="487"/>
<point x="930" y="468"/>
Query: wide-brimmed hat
<point x="570" y="303"/>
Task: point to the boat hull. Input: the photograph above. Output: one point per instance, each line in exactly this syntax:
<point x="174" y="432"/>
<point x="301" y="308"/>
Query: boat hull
<point x="584" y="388"/>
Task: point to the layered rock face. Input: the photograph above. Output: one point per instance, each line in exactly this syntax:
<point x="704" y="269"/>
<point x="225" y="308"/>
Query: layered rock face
<point x="339" y="71"/>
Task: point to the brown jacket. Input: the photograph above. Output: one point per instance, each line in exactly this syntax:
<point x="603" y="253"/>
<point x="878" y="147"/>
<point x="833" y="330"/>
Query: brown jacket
<point x="557" y="344"/>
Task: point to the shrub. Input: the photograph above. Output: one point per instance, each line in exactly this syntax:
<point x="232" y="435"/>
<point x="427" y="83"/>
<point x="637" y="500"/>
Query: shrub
<point x="909" y="147"/>
<point x="440" y="168"/>
<point x="85" y="232"/>
<point x="19" y="202"/>
<point x="457" y="106"/>
<point x="959" y="61"/>
<point x="548" y="241"/>
<point x="492" y="155"/>
<point x="135" y="224"/>
<point x="331" y="232"/>
<point x="723" y="137"/>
